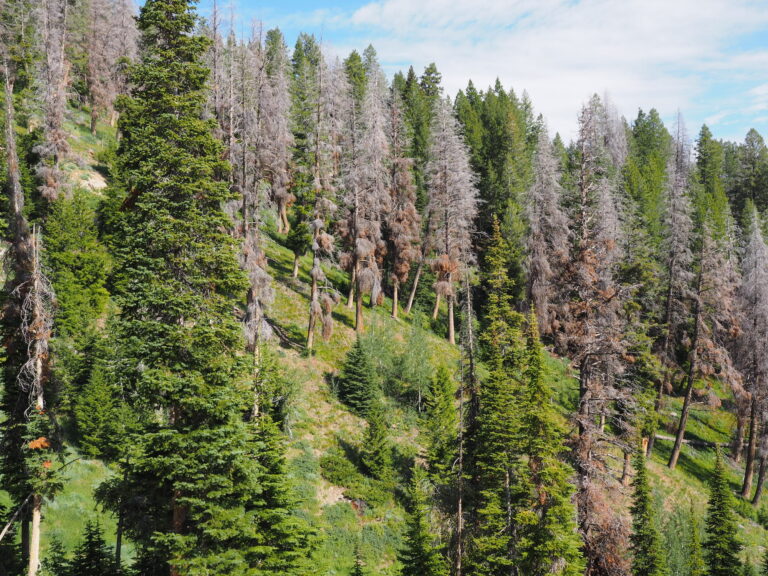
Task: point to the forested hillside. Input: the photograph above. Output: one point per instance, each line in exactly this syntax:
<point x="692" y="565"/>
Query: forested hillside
<point x="266" y="311"/>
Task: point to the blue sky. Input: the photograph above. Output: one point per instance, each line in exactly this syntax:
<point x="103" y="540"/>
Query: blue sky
<point x="706" y="58"/>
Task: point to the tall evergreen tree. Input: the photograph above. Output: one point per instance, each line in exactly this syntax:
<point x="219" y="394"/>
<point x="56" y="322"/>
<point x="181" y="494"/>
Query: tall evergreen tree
<point x="549" y="541"/>
<point x="441" y="421"/>
<point x="498" y="476"/>
<point x="647" y="553"/>
<point x="194" y="464"/>
<point x="420" y="556"/>
<point x="451" y="209"/>
<point x="721" y="544"/>
<point x="695" y="563"/>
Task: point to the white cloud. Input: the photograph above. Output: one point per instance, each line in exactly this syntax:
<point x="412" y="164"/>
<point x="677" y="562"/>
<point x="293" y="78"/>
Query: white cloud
<point x="668" y="54"/>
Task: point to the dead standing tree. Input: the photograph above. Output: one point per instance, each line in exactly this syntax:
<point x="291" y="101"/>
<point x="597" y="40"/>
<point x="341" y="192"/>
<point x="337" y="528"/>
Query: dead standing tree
<point x="451" y="207"/>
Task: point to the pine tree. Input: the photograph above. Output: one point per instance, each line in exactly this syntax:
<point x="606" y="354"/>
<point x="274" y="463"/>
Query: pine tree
<point x="721" y="544"/>
<point x="403" y="221"/>
<point x="195" y="460"/>
<point x="647" y="553"/>
<point x="420" y="555"/>
<point x="441" y="421"/>
<point x="79" y="264"/>
<point x="549" y="541"/>
<point x="498" y="460"/>
<point x="356" y="383"/>
<point x="92" y="557"/>
<point x="677" y="242"/>
<point x="56" y="561"/>
<point x="368" y="193"/>
<point x="547" y="239"/>
<point x="451" y="209"/>
<point x="376" y="454"/>
<point x="695" y="563"/>
<point x="751" y="354"/>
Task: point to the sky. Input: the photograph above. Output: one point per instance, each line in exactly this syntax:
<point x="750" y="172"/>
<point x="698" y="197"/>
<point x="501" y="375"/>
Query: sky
<point x="705" y="58"/>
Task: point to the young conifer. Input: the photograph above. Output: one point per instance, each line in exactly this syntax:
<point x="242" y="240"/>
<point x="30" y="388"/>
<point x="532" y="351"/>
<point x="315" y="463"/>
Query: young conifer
<point x="647" y="553"/>
<point x="356" y="385"/>
<point x="420" y="555"/>
<point x="721" y="544"/>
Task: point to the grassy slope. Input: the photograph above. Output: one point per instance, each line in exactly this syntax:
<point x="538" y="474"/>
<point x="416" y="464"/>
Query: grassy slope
<point x="318" y="422"/>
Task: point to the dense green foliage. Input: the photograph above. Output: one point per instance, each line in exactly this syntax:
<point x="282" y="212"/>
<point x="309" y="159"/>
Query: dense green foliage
<point x="721" y="545"/>
<point x="647" y="553"/>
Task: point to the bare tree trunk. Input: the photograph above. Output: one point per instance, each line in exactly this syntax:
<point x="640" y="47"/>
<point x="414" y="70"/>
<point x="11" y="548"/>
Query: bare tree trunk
<point x="312" y="315"/>
<point x="394" y="298"/>
<point x="352" y="281"/>
<point x="625" y="473"/>
<point x="295" y="273"/>
<point x="760" y="481"/>
<point x="94" y="118"/>
<point x="665" y="352"/>
<point x="437" y="307"/>
<point x="749" y="470"/>
<point x="738" y="441"/>
<point x="284" y="218"/>
<point x="119" y="540"/>
<point x="451" y="326"/>
<point x="25" y="537"/>
<point x="691" y="378"/>
<point x="34" y="539"/>
<point x="359" y="312"/>
<point x="412" y="295"/>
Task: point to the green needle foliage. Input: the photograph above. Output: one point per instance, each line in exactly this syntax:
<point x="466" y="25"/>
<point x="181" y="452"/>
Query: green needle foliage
<point x="498" y="463"/>
<point x="441" y="425"/>
<point x="695" y="558"/>
<point x="721" y="544"/>
<point x="92" y="557"/>
<point x="377" y="448"/>
<point x="420" y="556"/>
<point x="647" y="553"/>
<point x="199" y="471"/>
<point x="357" y="387"/>
<point x="549" y="543"/>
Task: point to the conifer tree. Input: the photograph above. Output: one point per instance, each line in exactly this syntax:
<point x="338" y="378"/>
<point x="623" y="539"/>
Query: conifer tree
<point x="441" y="421"/>
<point x="752" y="355"/>
<point x="195" y="462"/>
<point x="549" y="541"/>
<point x="677" y="241"/>
<point x="721" y="544"/>
<point x="53" y="25"/>
<point x="368" y="194"/>
<point x="356" y="384"/>
<point x="420" y="555"/>
<point x="451" y="209"/>
<point x="695" y="561"/>
<point x="647" y="553"/>
<point x="547" y="240"/>
<point x="764" y="565"/>
<point x="403" y="221"/>
<point x="377" y="448"/>
<point x="499" y="484"/>
<point x="92" y="557"/>
<point x="592" y="327"/>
